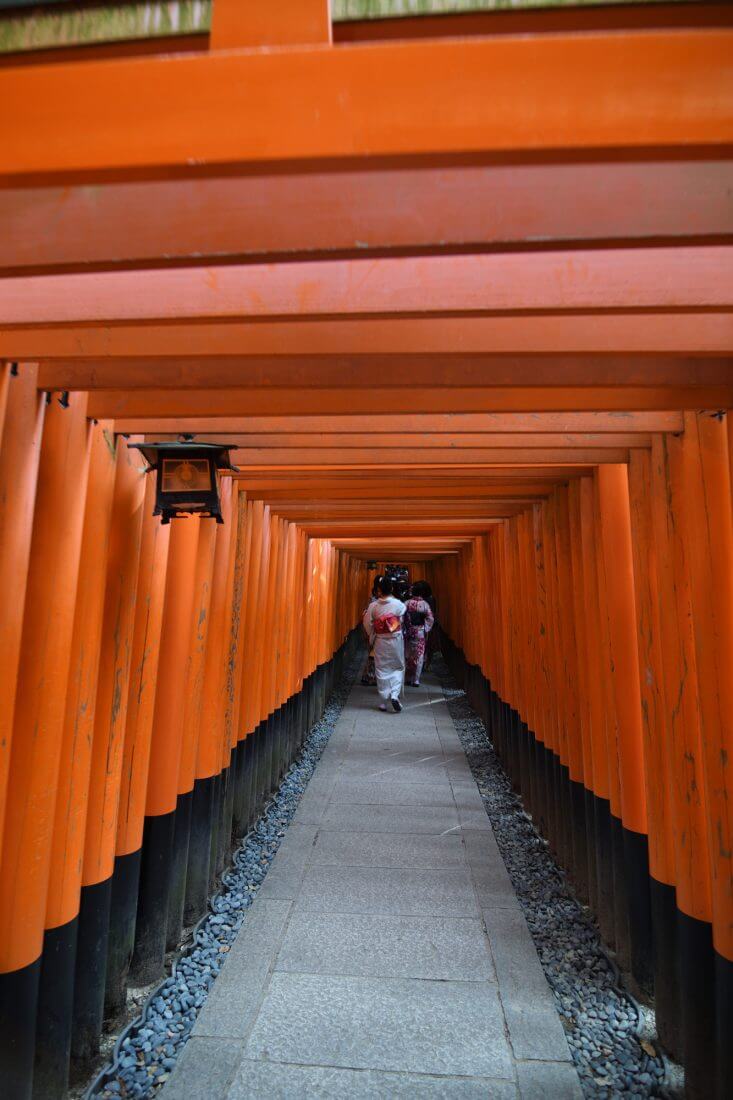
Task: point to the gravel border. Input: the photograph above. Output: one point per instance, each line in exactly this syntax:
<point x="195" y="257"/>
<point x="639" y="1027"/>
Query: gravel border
<point x="611" y="1038"/>
<point x="146" y="1051"/>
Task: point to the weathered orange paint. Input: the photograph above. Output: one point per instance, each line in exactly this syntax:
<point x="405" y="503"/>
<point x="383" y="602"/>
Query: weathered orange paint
<point x="622" y="333"/>
<point x="401" y="207"/>
<point x="81" y="694"/>
<point x="144" y="658"/>
<point x="20" y="450"/>
<point x="43" y="670"/>
<point x="166" y="744"/>
<point x="706" y="473"/>
<point x="653" y="278"/>
<point x="605" y="91"/>
<point x="615" y="514"/>
<point x="110" y="717"/>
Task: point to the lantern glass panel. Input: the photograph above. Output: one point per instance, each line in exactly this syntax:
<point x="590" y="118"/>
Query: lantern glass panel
<point x="187" y="475"/>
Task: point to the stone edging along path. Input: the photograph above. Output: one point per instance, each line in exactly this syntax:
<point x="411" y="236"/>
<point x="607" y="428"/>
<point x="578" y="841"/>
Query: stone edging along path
<point x="611" y="1039"/>
<point x="147" y="1050"/>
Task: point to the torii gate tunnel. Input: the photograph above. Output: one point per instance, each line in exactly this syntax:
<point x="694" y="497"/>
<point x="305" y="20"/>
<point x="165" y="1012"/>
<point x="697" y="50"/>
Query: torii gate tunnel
<point x="457" y="289"/>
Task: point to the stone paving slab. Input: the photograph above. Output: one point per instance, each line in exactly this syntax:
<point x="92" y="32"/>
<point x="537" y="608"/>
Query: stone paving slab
<point x="395" y="947"/>
<point x="276" y="1081"/>
<point x="435" y="820"/>
<point x="387" y="850"/>
<point x="355" y="792"/>
<point x="386" y="1023"/>
<point x="443" y="892"/>
<point x="386" y="954"/>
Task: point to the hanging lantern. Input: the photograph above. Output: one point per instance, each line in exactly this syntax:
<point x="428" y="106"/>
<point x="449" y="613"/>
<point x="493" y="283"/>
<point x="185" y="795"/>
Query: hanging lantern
<point x="187" y="477"/>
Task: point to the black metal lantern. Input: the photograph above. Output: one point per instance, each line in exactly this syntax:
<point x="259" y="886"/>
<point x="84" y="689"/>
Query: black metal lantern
<point x="187" y="477"/>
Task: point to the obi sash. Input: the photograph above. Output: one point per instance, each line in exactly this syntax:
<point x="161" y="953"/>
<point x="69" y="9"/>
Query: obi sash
<point x="386" y="624"/>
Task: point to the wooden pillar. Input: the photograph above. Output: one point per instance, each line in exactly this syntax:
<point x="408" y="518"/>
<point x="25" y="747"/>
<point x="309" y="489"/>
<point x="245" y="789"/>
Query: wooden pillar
<point x="150" y="595"/>
<point x="162" y="790"/>
<point x="20" y="451"/>
<point x="189" y="730"/>
<point x="613" y="499"/>
<point x="689" y="1040"/>
<point x="38" y="727"/>
<point x="601" y="780"/>
<point x="657" y="754"/>
<point x="56" y="992"/>
<point x="106" y="766"/>
<point x="706" y="470"/>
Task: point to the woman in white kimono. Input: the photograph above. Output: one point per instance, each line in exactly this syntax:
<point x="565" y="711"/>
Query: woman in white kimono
<point x="383" y="624"/>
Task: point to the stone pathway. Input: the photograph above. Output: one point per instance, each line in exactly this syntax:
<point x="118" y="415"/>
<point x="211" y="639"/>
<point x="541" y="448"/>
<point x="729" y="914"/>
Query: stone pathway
<point x="386" y="954"/>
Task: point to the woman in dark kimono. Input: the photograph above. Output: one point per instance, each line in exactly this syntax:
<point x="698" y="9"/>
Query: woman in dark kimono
<point x="418" y="622"/>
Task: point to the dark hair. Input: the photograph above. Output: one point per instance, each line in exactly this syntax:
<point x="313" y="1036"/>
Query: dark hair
<point x="385" y="585"/>
<point x="422" y="590"/>
<point x="377" y="581"/>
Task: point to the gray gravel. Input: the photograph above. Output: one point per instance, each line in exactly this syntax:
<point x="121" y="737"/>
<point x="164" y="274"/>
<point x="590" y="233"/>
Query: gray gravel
<point x="604" y="1027"/>
<point x="146" y="1051"/>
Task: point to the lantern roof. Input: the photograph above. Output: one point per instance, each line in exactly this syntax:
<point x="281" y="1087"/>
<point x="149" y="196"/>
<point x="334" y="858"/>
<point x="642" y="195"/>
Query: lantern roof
<point x="172" y="447"/>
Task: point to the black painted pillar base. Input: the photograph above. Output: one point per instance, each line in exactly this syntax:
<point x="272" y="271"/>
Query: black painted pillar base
<point x="724" y="1026"/>
<point x="18" y="1008"/>
<point x="54" y="1013"/>
<point x="590" y="829"/>
<point x="622" y="938"/>
<point x="148" y="958"/>
<point x="122" y="921"/>
<point x="240" y="810"/>
<point x="199" y="851"/>
<point x="697" y="987"/>
<point x="91" y="970"/>
<point x="179" y="865"/>
<point x="580" y="840"/>
<point x="636" y="858"/>
<point x="224" y="847"/>
<point x="604" y="867"/>
<point x="216" y="814"/>
<point x="666" y="967"/>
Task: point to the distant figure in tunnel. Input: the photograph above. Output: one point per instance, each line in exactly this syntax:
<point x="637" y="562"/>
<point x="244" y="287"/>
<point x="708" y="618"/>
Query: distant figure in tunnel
<point x="369" y="676"/>
<point x="417" y="624"/>
<point x="383" y="624"/>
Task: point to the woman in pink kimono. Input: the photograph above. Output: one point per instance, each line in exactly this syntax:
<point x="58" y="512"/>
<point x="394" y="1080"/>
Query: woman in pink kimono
<point x="418" y="624"/>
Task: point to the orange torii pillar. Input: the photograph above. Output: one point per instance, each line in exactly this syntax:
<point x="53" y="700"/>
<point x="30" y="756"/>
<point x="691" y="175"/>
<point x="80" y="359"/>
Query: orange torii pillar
<point x="615" y="513"/>
<point x="705" y="468"/>
<point x="150" y="596"/>
<point x="55" y="1010"/>
<point x="106" y="764"/>
<point x="185" y="907"/>
<point x="658" y="753"/>
<point x="688" y="1035"/>
<point x="162" y="789"/>
<point x="20" y="450"/>
<point x="38" y="729"/>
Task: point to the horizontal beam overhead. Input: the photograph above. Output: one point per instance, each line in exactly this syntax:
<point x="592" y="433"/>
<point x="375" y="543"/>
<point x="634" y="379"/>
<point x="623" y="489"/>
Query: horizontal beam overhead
<point x="597" y="92"/>
<point x="385" y="371"/>
<point x="343" y="210"/>
<point x="687" y="277"/>
<point x="316" y="490"/>
<point x="414" y="438"/>
<point x="430" y="456"/>
<point x="626" y="421"/>
<point x="156" y="404"/>
<point x="527" y="334"/>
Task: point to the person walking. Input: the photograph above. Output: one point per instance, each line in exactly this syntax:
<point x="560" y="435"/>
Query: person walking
<point x="383" y="625"/>
<point x="418" y="624"/>
<point x="369" y="676"/>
